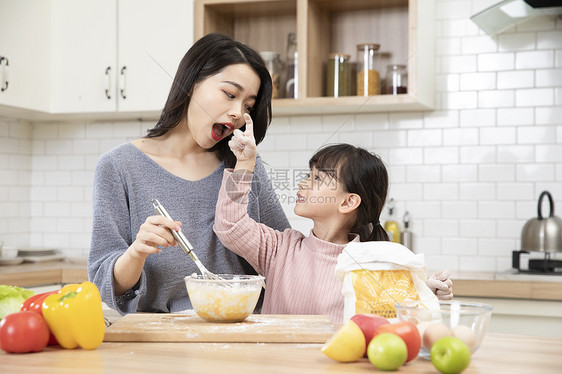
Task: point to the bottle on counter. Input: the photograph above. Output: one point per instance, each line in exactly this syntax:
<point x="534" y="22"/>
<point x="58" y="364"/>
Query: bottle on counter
<point x="273" y="63"/>
<point x="338" y="82"/>
<point x="368" y="77"/>
<point x="391" y="226"/>
<point x="407" y="234"/>
<point x="292" y="66"/>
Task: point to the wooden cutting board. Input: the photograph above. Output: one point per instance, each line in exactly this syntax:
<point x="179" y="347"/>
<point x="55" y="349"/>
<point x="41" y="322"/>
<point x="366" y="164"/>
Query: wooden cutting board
<point x="257" y="328"/>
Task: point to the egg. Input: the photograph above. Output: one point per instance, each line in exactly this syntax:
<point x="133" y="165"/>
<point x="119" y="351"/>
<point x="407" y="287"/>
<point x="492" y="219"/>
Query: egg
<point x="422" y="326"/>
<point x="434" y="332"/>
<point x="465" y="334"/>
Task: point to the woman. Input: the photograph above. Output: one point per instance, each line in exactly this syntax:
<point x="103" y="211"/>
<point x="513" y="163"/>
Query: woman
<point x="134" y="259"/>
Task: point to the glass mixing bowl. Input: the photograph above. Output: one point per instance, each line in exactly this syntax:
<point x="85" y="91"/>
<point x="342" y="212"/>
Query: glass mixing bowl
<point x="231" y="299"/>
<point x="468" y="321"/>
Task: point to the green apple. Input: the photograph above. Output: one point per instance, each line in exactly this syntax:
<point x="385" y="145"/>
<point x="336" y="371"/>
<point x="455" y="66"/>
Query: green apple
<point x="450" y="355"/>
<point x="387" y="351"/>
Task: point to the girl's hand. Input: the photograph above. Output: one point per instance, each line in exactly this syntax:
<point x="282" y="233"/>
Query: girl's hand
<point x="153" y="234"/>
<point x="243" y="144"/>
<point x="441" y="285"/>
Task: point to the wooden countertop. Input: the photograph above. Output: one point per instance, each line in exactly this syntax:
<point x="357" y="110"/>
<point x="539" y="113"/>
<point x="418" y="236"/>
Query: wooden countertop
<point x="499" y="353"/>
<point x="508" y="285"/>
<point x="41" y="273"/>
<point x="476" y="284"/>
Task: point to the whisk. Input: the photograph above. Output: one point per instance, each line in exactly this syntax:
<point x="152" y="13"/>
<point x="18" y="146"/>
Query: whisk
<point x="184" y="243"/>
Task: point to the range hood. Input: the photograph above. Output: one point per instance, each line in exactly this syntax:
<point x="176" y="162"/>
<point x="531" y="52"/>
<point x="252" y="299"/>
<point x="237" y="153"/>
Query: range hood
<point x="508" y="13"/>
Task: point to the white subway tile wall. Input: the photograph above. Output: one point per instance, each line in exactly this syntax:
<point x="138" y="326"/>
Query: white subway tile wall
<point x="15" y="180"/>
<point x="46" y="175"/>
<point x="469" y="172"/>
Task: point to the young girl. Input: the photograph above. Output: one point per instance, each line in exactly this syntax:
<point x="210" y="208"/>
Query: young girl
<point x="344" y="195"/>
<point x="134" y="259"/>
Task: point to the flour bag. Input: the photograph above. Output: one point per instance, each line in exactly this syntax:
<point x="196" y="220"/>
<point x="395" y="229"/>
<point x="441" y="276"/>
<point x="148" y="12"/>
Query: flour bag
<point x="377" y="275"/>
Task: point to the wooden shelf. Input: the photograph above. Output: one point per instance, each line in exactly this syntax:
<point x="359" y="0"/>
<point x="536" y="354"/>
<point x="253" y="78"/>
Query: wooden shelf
<point x="348" y="104"/>
<point x="404" y="31"/>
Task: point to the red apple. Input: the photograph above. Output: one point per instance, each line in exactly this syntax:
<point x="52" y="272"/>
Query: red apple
<point x="408" y="332"/>
<point x="369" y="323"/>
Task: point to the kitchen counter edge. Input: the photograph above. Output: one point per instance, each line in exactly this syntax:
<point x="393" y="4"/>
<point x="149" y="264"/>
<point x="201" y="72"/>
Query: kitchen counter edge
<point x="506" y="284"/>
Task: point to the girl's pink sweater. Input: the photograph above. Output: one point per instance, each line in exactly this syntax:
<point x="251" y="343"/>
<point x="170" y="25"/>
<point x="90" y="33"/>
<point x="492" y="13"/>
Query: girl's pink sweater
<point x="299" y="270"/>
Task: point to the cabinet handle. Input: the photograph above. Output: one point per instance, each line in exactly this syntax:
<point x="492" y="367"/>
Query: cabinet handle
<point x="108" y="83"/>
<point x="4" y="73"/>
<point x="123" y="82"/>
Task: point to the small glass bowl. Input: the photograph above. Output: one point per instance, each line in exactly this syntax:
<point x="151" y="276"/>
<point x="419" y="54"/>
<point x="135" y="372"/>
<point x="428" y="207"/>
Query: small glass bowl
<point x="231" y="299"/>
<point x="451" y="314"/>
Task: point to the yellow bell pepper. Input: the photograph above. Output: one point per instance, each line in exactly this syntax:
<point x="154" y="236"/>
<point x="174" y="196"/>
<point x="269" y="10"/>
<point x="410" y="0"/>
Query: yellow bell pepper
<point x="75" y="316"/>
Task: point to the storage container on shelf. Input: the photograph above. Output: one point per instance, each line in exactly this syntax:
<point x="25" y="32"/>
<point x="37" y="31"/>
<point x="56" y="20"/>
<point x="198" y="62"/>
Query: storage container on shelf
<point x="291" y="80"/>
<point x="338" y="80"/>
<point x="273" y="62"/>
<point x="368" y="77"/>
<point x="396" y="79"/>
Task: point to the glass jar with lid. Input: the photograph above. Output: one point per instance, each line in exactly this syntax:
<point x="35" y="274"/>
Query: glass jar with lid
<point x="292" y="65"/>
<point x="273" y="62"/>
<point x="396" y="79"/>
<point x="338" y="80"/>
<point x="368" y="77"/>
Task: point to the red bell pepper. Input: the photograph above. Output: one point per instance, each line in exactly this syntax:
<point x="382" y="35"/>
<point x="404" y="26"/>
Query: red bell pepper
<point x="35" y="304"/>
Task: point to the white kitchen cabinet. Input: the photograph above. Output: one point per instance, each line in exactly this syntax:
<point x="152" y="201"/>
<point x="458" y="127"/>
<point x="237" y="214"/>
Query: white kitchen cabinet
<point x="117" y="55"/>
<point x="24" y="50"/>
<point x="153" y="37"/>
<point x="84" y="47"/>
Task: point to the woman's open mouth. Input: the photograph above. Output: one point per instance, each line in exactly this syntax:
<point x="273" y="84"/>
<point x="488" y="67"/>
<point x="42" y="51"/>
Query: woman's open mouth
<point x="220" y="130"/>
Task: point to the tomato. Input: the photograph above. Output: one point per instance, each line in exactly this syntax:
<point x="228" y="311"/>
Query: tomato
<point x="23" y="332"/>
<point x="35" y="304"/>
<point x="408" y="332"/>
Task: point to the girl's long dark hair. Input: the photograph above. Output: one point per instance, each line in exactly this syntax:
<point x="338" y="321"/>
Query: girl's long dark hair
<point x="207" y="57"/>
<point x="364" y="174"/>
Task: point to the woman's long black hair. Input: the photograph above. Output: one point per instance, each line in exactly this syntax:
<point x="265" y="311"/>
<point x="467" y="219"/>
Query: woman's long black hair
<point x="364" y="174"/>
<point x="208" y="56"/>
